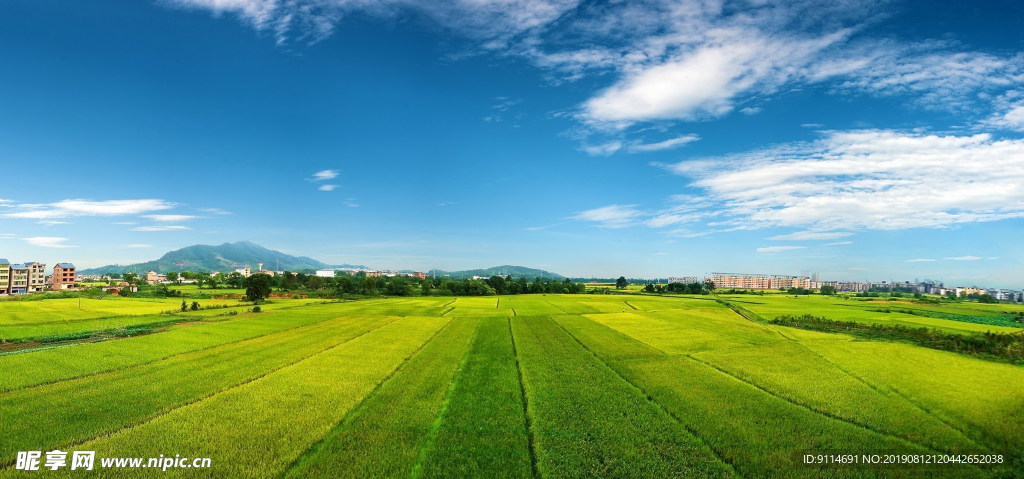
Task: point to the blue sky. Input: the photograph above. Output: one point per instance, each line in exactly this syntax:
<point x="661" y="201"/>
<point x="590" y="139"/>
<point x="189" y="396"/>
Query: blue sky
<point x="861" y="140"/>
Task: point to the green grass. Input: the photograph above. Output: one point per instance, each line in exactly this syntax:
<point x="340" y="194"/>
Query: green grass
<point x="397" y="420"/>
<point x="606" y="429"/>
<point x="508" y="387"/>
<point x="42" y="415"/>
<point x="483" y="431"/>
<point x="285" y="412"/>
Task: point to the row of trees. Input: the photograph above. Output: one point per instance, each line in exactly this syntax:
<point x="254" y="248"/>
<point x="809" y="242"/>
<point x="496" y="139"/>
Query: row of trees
<point x="706" y="287"/>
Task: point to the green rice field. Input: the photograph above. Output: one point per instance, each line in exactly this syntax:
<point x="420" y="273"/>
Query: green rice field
<point x="526" y="386"/>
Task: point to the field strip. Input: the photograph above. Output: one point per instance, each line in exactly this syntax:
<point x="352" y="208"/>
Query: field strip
<point x="652" y="401"/>
<point x="435" y="426"/>
<point x="259" y="428"/>
<point x="739" y="446"/>
<point x="482" y="432"/>
<point x="35" y="421"/>
<point x="30" y="369"/>
<point x="393" y="419"/>
<point x="896" y="393"/>
<point x="531" y="435"/>
<point x="811" y="408"/>
<point x="589" y="421"/>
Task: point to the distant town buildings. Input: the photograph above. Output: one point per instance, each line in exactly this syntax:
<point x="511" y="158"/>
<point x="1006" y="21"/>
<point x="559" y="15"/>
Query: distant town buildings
<point x="325" y="273"/>
<point x="759" y="281"/>
<point x="246" y="272"/>
<point x="684" y="279"/>
<point x="153" y="277"/>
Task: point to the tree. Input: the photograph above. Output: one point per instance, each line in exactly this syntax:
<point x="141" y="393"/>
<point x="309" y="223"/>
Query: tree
<point x="131" y="278"/>
<point x="257" y="287"/>
<point x="709" y="286"/>
<point x="195" y="305"/>
<point x="184" y="307"/>
<point x="828" y="290"/>
<point x="236" y="280"/>
<point x="172" y="276"/>
<point x="621" y="283"/>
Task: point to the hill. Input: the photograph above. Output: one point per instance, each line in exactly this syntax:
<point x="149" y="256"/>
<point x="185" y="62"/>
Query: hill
<point x="504" y="270"/>
<point x="225" y="257"/>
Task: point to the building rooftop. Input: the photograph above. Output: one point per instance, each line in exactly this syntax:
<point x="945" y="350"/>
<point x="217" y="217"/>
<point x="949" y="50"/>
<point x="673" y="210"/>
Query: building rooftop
<point x="66" y="265"/>
<point x="4" y="261"/>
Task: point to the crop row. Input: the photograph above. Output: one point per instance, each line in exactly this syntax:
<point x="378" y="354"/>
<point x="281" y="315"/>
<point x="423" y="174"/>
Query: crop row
<point x="40" y="367"/>
<point x="588" y="422"/>
<point x="483" y="431"/>
<point x="385" y="434"/>
<point x="259" y="428"/>
<point x="67" y="412"/>
<point x="757" y="433"/>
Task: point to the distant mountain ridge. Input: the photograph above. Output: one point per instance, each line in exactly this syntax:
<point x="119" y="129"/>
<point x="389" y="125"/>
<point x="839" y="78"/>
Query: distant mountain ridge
<point x="504" y="270"/>
<point x="224" y="257"/>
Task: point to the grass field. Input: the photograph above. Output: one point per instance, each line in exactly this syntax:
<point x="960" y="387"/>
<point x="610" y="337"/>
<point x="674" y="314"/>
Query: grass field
<point x="520" y="386"/>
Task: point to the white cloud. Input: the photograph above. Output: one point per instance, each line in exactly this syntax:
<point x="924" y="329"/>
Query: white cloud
<point x="169" y="218"/>
<point x="327" y="187"/>
<point x="324" y="175"/>
<point x="663" y="145"/>
<point x="965" y="258"/>
<point x="350" y="202"/>
<point x="778" y="249"/>
<point x="51" y="222"/>
<point x="751" y="110"/>
<point x="919" y="260"/>
<point x="138" y="246"/>
<point x="837" y="243"/>
<point x="812" y="125"/>
<point x="811" y="235"/>
<point x="161" y="228"/>
<point x="67" y="208"/>
<point x="875" y="179"/>
<point x="48" y="242"/>
<point x="539" y="228"/>
<point x="605" y="149"/>
<point x="611" y="216"/>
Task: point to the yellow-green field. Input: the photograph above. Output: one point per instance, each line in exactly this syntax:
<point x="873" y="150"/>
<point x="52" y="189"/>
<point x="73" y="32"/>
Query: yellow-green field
<point x="511" y="386"/>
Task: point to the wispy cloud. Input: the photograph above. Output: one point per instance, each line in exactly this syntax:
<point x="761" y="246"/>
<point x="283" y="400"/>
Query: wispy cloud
<point x="51" y="222"/>
<point x="811" y="235"/>
<point x="169" y="218"/>
<point x="161" y="228"/>
<point x="327" y="187"/>
<point x="324" y="175"/>
<point x="539" y="228"/>
<point x="778" y="249"/>
<point x="837" y="243"/>
<point x="919" y="260"/>
<point x="868" y="179"/>
<point x="350" y="202"/>
<point x="611" y="216"/>
<point x="215" y="211"/>
<point x="965" y="258"/>
<point x="663" y="145"/>
<point x="604" y="149"/>
<point x="77" y="207"/>
<point x="48" y="242"/>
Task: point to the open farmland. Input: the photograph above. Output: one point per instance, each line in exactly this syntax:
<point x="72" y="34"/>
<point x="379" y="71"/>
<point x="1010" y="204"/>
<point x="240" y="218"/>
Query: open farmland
<point x="510" y="386"/>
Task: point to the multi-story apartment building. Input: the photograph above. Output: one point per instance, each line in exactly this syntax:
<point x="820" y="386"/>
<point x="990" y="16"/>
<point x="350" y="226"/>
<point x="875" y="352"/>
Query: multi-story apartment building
<point x="36" y="276"/>
<point x="63" y="276"/>
<point x="153" y="277"/>
<point x="19" y="279"/>
<point x="5" y="276"/>
<point x="759" y="281"/>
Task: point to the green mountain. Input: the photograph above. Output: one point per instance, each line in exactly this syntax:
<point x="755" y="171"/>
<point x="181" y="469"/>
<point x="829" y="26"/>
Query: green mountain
<point x="225" y="257"/>
<point x="505" y="270"/>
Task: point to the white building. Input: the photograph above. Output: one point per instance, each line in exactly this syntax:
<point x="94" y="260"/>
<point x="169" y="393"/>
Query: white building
<point x="325" y="273"/>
